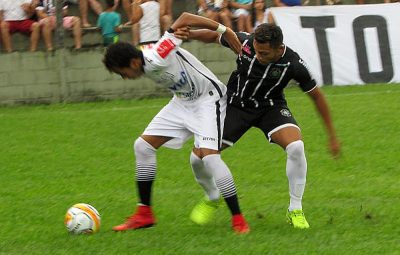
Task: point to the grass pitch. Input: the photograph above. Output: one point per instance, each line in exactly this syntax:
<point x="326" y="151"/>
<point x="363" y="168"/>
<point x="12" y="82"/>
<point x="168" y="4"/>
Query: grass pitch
<point x="55" y="156"/>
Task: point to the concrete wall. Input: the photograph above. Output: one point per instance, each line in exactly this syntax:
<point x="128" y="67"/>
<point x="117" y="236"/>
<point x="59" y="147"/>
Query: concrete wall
<point x="69" y="76"/>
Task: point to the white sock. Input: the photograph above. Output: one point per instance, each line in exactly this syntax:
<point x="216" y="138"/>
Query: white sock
<point x="204" y="177"/>
<point x="222" y="175"/>
<point x="296" y="171"/>
<point x="145" y="160"/>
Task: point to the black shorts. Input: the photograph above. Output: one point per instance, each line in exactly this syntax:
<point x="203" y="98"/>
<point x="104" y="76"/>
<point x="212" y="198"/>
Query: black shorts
<point x="239" y="120"/>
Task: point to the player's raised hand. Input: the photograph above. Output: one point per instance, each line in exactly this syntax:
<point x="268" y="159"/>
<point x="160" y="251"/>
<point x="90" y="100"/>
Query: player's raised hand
<point x="233" y="41"/>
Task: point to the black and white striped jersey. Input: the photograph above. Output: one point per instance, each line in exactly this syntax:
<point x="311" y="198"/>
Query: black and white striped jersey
<point x="254" y="85"/>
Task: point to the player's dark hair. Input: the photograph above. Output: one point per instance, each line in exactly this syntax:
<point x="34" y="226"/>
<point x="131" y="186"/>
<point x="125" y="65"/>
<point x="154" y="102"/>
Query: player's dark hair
<point x="120" y="54"/>
<point x="269" y="33"/>
<point x="110" y="3"/>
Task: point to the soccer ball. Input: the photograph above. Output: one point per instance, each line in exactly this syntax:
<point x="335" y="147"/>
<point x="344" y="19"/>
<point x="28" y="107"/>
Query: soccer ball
<point x="82" y="219"/>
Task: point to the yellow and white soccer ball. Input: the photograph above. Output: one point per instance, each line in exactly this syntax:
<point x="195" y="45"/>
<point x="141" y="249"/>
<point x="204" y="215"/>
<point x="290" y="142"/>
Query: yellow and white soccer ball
<point x="82" y="219"/>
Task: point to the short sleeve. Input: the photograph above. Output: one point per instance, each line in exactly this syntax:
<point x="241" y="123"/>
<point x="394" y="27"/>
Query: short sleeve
<point x="303" y="76"/>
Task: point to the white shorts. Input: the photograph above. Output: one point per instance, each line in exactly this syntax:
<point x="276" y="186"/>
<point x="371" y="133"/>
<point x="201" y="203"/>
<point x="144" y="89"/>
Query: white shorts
<point x="238" y="12"/>
<point x="203" y="118"/>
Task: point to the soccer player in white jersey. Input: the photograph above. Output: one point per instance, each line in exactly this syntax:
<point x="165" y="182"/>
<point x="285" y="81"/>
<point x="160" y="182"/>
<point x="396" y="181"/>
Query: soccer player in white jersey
<point x="197" y="109"/>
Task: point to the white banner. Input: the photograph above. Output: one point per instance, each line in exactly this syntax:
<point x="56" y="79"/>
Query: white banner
<point x="345" y="44"/>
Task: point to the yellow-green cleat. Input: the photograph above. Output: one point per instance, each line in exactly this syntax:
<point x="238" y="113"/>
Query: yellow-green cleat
<point x="297" y="219"/>
<point x="204" y="211"/>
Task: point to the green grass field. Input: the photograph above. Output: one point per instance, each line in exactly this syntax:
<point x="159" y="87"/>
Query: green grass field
<point x="58" y="155"/>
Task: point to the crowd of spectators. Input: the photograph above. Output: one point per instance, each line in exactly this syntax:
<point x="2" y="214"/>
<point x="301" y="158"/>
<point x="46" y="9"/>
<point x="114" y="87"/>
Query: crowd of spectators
<point x="148" y="19"/>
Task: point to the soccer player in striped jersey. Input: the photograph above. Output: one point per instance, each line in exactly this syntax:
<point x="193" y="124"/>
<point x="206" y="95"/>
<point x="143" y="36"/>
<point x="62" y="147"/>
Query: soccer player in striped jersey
<point x="256" y="99"/>
<point x="197" y="109"/>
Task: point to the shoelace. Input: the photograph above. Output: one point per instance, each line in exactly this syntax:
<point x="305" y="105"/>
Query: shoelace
<point x="299" y="216"/>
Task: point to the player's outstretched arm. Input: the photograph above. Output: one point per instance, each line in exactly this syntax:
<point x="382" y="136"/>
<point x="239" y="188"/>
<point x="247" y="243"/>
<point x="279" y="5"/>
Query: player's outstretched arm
<point x="190" y="20"/>
<point x="202" y="35"/>
<point x="323" y="109"/>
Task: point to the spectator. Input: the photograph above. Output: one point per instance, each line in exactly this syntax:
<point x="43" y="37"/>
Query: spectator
<point x="259" y="13"/>
<point x="216" y="10"/>
<point x="1" y="20"/>
<point x="282" y="3"/>
<point x="46" y="12"/>
<point x="109" y="22"/>
<point x="285" y="3"/>
<point x="15" y="16"/>
<point x="166" y="14"/>
<point x="83" y="8"/>
<point x="241" y="12"/>
<point x="126" y="4"/>
<point x="146" y="21"/>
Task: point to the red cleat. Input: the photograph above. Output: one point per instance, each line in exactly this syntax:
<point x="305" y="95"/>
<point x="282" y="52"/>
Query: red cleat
<point x="142" y="218"/>
<point x="239" y="224"/>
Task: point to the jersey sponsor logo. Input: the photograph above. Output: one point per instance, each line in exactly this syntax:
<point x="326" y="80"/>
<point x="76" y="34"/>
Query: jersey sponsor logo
<point x="247" y="58"/>
<point x="165" y="76"/>
<point x="180" y="83"/>
<point x="286" y="113"/>
<point x="246" y="48"/>
<point x="185" y="95"/>
<point x="208" y="139"/>
<point x="165" y="47"/>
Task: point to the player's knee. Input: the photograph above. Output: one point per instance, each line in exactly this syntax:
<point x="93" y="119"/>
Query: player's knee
<point x="143" y="148"/>
<point x="212" y="159"/>
<point x="295" y="149"/>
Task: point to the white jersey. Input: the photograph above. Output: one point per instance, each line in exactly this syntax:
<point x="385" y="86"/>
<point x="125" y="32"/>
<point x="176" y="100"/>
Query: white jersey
<point x="150" y="22"/>
<point x="178" y="70"/>
<point x="13" y="10"/>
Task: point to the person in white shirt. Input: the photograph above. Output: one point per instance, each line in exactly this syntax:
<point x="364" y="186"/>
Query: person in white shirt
<point x="14" y="17"/>
<point x="146" y="21"/>
<point x="197" y="109"/>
